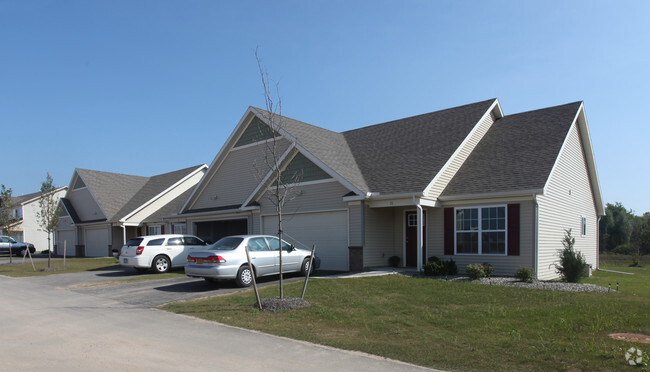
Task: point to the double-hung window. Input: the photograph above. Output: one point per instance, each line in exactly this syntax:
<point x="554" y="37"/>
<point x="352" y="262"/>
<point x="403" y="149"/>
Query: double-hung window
<point x="481" y="230"/>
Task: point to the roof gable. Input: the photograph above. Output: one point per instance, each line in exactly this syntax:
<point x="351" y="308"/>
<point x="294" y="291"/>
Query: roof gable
<point x="517" y="153"/>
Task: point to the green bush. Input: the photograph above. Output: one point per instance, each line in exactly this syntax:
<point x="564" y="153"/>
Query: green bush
<point x="393" y="261"/>
<point x="572" y="265"/>
<point x="525" y="274"/>
<point x="623" y="249"/>
<point x="475" y="271"/>
<point x="438" y="267"/>
<point x="488" y="269"/>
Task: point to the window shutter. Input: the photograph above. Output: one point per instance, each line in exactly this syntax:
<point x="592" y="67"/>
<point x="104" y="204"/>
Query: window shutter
<point x="449" y="231"/>
<point x="162" y="229"/>
<point x="513" y="229"/>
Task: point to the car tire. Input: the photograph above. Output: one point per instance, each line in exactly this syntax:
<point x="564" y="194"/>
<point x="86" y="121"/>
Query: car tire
<point x="22" y="252"/>
<point x="161" y="264"/>
<point x="305" y="266"/>
<point x="244" y="277"/>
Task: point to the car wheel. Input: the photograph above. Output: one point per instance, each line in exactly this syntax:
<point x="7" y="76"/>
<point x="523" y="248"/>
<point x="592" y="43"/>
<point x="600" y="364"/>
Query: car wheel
<point x="161" y="264"/>
<point x="244" y="276"/>
<point x="142" y="269"/>
<point x="22" y="252"/>
<point x="305" y="267"/>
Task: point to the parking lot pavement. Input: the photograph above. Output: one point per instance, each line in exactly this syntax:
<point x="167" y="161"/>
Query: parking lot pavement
<point x="51" y="323"/>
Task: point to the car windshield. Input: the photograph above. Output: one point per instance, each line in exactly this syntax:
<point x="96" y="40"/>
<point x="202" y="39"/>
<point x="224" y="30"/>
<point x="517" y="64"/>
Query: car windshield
<point x="134" y="242"/>
<point x="226" y="244"/>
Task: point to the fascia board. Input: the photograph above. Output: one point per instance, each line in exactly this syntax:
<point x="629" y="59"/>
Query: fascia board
<point x="167" y="190"/>
<point x="218" y="159"/>
<point x="492" y="195"/>
<point x="38" y="197"/>
<point x="496" y="107"/>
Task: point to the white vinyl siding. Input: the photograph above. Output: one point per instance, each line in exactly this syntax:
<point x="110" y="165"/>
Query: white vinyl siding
<point x="236" y="177"/>
<point x="85" y="205"/>
<point x="458" y="160"/>
<point x="380" y="237"/>
<point x="567" y="199"/>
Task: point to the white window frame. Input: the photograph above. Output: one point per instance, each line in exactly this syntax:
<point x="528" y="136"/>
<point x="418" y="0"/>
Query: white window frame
<point x="480" y="230"/>
<point x="179" y="226"/>
<point x="583" y="227"/>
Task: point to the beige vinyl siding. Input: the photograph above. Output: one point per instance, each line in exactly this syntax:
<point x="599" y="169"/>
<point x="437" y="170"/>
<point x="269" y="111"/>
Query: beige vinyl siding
<point x="568" y="196"/>
<point x="380" y="237"/>
<point x="237" y="176"/>
<point x="356" y="223"/>
<point x="85" y="205"/>
<point x="503" y="265"/>
<point x="458" y="160"/>
<point x="322" y="196"/>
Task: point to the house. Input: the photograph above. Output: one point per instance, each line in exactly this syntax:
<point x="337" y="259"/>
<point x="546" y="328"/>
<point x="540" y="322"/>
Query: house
<point x="27" y="227"/>
<point x="466" y="183"/>
<point x="102" y="210"/>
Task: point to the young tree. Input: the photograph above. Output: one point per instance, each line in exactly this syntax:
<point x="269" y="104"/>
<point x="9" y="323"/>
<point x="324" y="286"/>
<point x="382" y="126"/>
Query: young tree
<point x="283" y="185"/>
<point x="48" y="216"/>
<point x="6" y="213"/>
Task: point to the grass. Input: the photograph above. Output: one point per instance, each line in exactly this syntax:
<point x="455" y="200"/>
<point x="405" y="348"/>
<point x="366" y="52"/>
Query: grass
<point x="452" y="325"/>
<point x="75" y="265"/>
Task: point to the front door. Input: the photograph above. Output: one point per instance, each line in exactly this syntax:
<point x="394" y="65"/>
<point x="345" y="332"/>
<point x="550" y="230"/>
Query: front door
<point x="411" y="242"/>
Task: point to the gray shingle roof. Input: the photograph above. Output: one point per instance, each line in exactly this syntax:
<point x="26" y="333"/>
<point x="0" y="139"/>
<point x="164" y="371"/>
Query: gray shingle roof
<point x="404" y="156"/>
<point x="120" y="194"/>
<point x="516" y="154"/>
<point x="400" y="156"/>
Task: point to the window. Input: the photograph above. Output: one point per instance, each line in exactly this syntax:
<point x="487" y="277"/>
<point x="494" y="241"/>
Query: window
<point x="179" y="228"/>
<point x="584" y="226"/>
<point x="175" y="241"/>
<point x="154" y="230"/>
<point x="481" y="230"/>
<point x="257" y="245"/>
<point x="156" y="242"/>
<point x="273" y="242"/>
<point x="190" y="240"/>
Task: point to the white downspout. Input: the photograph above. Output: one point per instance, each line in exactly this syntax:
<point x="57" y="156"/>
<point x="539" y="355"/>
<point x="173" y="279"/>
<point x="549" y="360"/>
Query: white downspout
<point x="123" y="234"/>
<point x="420" y="238"/>
<point x="536" y="237"/>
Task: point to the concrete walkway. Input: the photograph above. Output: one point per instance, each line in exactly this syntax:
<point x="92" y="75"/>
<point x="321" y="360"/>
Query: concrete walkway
<point x="45" y="327"/>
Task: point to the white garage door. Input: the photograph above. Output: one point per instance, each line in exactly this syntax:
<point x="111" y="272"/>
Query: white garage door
<point x="327" y="230"/>
<point x="67" y="238"/>
<point x="97" y="243"/>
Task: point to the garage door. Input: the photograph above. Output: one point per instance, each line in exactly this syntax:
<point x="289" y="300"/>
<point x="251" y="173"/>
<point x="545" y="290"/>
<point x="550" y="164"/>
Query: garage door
<point x="97" y="243"/>
<point x="66" y="237"/>
<point x="327" y="230"/>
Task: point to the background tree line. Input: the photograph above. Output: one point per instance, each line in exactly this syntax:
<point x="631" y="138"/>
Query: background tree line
<point x="623" y="232"/>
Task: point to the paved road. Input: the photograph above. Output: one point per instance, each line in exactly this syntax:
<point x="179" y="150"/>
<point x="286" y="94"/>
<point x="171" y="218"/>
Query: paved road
<point x="54" y="323"/>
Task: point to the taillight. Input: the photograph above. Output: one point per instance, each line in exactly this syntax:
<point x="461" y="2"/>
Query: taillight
<point x="139" y="250"/>
<point x="190" y="258"/>
<point x="214" y="259"/>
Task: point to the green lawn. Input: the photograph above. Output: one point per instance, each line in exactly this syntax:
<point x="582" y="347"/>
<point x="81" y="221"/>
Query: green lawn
<point x="75" y="265"/>
<point x="453" y="325"/>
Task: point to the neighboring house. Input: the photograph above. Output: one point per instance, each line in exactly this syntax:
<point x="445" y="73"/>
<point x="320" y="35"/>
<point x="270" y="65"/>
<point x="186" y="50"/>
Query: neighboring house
<point x="466" y="183"/>
<point x="27" y="227"/>
<point x="102" y="210"/>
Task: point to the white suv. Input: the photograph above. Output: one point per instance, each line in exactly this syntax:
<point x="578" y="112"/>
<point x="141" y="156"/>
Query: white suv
<point x="159" y="252"/>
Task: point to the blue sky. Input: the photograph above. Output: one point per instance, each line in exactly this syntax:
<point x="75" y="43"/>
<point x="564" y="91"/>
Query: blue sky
<point x="148" y="87"/>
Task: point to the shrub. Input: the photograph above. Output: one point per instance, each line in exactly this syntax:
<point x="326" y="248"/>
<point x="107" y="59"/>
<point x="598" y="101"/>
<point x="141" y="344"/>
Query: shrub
<point x="393" y="261"/>
<point x="488" y="269"/>
<point x="572" y="266"/>
<point x="525" y="274"/>
<point x="475" y="271"/>
<point x="624" y="249"/>
<point x="438" y="267"/>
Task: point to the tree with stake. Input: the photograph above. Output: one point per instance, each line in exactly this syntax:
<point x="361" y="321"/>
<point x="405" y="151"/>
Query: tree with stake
<point x="283" y="187"/>
<point x="48" y="216"/>
<point x="6" y="213"/>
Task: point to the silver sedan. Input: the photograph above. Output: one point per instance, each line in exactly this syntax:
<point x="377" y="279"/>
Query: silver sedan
<point x="226" y="259"/>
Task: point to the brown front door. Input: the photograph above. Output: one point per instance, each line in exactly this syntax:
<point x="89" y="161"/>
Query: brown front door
<point x="411" y="228"/>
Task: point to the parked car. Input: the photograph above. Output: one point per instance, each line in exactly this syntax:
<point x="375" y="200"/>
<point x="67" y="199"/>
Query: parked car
<point x="8" y="244"/>
<point x="226" y="259"/>
<point x="159" y="252"/>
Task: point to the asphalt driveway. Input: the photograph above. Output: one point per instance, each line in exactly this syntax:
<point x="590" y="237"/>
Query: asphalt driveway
<point x="60" y="322"/>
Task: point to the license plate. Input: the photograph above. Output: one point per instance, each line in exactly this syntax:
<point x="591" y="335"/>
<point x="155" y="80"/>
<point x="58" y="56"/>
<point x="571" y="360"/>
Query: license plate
<point x="125" y="260"/>
<point x="199" y="260"/>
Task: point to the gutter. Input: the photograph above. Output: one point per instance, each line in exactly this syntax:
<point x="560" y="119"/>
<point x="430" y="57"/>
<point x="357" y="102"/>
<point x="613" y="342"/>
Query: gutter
<point x="536" y="236"/>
